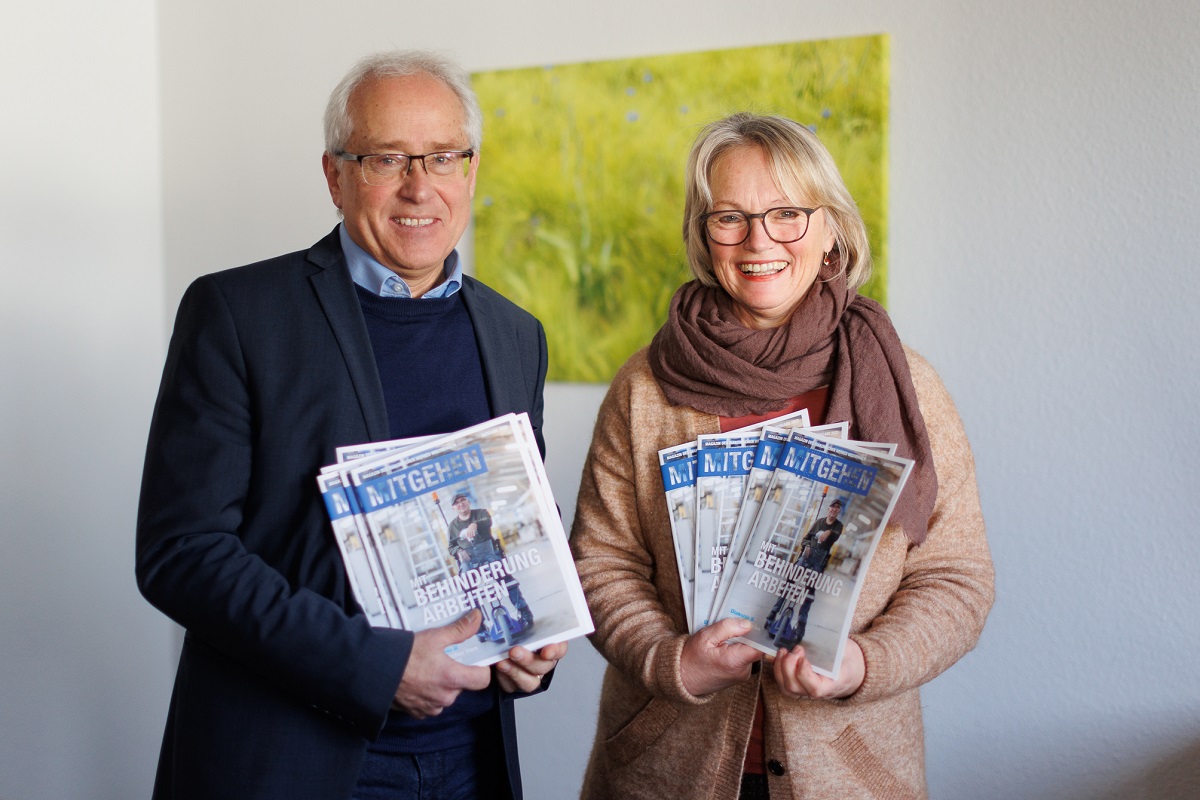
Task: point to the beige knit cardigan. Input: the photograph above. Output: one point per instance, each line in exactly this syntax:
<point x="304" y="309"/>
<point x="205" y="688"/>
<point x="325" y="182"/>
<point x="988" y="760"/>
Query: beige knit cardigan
<point x="921" y="608"/>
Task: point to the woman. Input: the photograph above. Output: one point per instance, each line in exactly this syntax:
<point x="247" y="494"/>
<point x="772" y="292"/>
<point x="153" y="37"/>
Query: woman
<point x="773" y="323"/>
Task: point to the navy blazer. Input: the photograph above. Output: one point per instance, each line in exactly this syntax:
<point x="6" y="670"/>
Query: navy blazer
<point x="281" y="682"/>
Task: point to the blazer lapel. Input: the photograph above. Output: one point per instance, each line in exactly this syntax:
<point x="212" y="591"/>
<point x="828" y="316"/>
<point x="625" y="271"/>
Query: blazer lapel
<point x="335" y="291"/>
<point x="500" y="365"/>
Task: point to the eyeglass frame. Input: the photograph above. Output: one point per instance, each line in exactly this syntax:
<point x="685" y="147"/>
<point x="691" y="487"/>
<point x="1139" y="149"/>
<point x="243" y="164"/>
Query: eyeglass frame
<point x="345" y="156"/>
<point x="808" y="212"/>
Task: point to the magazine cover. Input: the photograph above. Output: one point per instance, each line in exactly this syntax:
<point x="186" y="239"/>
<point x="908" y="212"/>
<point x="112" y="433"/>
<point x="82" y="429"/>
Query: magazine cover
<point x="766" y="454"/>
<point x="723" y="461"/>
<point x="678" y="467"/>
<point x="872" y="447"/>
<point x="808" y="551"/>
<point x="350" y="526"/>
<point x="350" y="529"/>
<point x="468" y="521"/>
<point x="366" y="580"/>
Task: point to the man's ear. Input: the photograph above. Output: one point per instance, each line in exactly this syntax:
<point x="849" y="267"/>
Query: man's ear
<point x="333" y="175"/>
<point x="473" y="171"/>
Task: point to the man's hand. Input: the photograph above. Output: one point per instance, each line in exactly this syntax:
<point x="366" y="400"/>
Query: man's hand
<point x="433" y="680"/>
<point x="523" y="670"/>
<point x="710" y="663"/>
<point x="796" y="678"/>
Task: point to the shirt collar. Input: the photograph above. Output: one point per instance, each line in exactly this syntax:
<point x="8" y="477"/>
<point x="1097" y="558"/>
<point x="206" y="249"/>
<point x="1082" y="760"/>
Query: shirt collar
<point x="378" y="279"/>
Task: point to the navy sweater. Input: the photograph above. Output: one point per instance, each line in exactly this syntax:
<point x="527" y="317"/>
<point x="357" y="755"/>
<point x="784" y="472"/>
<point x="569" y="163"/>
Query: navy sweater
<point x="432" y="379"/>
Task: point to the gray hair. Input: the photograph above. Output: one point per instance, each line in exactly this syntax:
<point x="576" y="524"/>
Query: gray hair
<point x="399" y="64"/>
<point x="800" y="166"/>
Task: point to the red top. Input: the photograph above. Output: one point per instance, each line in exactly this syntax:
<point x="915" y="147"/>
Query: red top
<point x="816" y="401"/>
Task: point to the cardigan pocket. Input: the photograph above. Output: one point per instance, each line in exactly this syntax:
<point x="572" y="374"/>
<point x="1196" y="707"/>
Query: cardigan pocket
<point x="870" y="770"/>
<point x="640" y="733"/>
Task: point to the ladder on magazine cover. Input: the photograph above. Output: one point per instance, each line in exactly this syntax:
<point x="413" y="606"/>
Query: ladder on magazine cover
<point x="728" y="504"/>
<point x="424" y="551"/>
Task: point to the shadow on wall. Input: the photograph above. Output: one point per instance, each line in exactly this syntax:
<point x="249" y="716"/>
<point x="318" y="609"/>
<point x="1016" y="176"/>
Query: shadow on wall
<point x="1172" y="777"/>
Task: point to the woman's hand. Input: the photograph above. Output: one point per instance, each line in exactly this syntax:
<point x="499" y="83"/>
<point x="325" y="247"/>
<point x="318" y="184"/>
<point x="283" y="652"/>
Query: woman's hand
<point x="710" y="663"/>
<point x="795" y="676"/>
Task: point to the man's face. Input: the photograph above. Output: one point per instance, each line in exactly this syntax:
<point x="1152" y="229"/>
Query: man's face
<point x="834" y="510"/>
<point x="462" y="507"/>
<point x="410" y="227"/>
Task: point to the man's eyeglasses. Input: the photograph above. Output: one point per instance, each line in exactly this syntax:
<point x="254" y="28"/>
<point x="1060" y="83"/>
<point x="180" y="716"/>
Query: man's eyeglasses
<point x="388" y="169"/>
<point x="784" y="224"/>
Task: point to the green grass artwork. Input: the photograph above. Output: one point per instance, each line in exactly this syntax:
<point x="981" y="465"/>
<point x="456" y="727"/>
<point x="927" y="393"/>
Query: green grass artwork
<point x="579" y="204"/>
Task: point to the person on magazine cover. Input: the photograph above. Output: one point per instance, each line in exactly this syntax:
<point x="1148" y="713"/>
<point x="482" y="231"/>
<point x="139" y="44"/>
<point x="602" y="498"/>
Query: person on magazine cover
<point x="818" y="543"/>
<point x="773" y="322"/>
<point x="815" y="549"/>
<point x="283" y="688"/>
<point x="473" y="546"/>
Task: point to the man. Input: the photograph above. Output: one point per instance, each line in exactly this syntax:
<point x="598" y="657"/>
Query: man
<point x="815" y="548"/>
<point x="473" y="546"/>
<point x="283" y="689"/>
<point x="471" y="540"/>
<point x="821" y="537"/>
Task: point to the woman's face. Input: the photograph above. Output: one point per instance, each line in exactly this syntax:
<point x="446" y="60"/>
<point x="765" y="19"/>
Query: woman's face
<point x="766" y="279"/>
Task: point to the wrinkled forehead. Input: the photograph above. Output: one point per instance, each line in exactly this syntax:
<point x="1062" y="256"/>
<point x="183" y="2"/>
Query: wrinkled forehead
<point x="402" y="113"/>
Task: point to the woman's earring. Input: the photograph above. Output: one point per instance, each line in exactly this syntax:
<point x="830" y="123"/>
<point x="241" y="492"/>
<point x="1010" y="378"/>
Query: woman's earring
<point x="825" y="259"/>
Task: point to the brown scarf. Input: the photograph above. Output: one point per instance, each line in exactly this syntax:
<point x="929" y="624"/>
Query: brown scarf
<point x="705" y="358"/>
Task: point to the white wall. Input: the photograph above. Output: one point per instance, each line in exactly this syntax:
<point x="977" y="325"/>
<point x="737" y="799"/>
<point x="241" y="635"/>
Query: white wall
<point x="85" y="663"/>
<point x="1043" y="255"/>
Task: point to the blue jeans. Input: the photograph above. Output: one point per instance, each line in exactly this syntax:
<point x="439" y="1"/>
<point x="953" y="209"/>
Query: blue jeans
<point x="472" y="772"/>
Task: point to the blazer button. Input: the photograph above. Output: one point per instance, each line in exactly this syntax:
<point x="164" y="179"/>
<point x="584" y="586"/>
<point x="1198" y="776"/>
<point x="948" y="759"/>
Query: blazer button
<point x="775" y="768"/>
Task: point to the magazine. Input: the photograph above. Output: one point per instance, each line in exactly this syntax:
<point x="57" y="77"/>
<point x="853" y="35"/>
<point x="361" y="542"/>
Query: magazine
<point x="468" y="521"/>
<point x="350" y="529"/>
<point x="820" y="520"/>
<point x="723" y="461"/>
<point x="678" y="467"/>
<point x="772" y="438"/>
<point x="872" y="447"/>
<point x="362" y="569"/>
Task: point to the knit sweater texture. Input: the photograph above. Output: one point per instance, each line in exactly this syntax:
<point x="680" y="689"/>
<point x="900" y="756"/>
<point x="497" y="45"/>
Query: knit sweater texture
<point x="921" y="608"/>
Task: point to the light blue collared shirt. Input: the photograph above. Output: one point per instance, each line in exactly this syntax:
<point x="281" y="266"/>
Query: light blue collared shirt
<point x="378" y="279"/>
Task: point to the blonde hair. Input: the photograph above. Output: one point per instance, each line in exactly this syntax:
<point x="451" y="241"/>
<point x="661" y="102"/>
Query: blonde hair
<point x="800" y="166"/>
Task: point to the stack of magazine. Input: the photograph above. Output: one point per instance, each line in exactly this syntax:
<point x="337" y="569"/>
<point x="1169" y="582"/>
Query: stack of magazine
<point x="432" y="527"/>
<point x="776" y="523"/>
